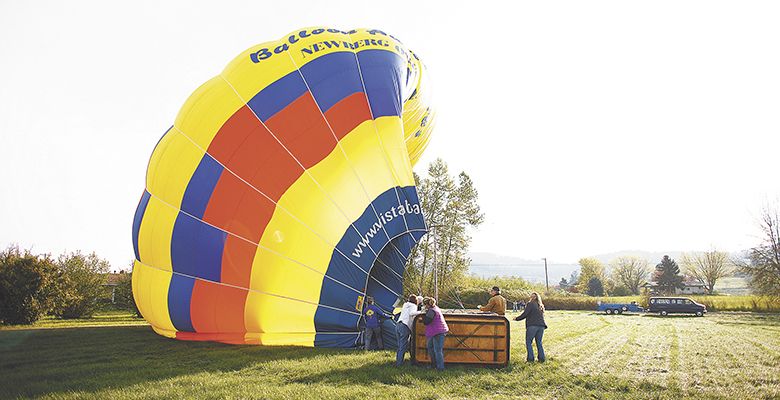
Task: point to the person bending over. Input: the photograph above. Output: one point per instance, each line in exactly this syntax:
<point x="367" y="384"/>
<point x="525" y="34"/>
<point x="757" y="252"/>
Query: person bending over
<point x="404" y="327"/>
<point x="435" y="330"/>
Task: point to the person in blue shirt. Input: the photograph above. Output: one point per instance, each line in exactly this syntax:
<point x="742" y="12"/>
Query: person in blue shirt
<point x="373" y="316"/>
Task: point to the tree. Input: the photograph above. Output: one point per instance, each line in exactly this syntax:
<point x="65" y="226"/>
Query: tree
<point x="589" y="268"/>
<point x="707" y="267"/>
<point x="563" y="284"/>
<point x="80" y="284"/>
<point x="26" y="285"/>
<point x="667" y="276"/>
<point x="620" y="290"/>
<point x="574" y="279"/>
<point x="124" y="294"/>
<point x="631" y="272"/>
<point x="450" y="207"/>
<point x="595" y="286"/>
<point x="763" y="261"/>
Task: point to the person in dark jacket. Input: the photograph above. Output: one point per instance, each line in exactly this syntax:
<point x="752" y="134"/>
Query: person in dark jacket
<point x="373" y="314"/>
<point x="534" y="326"/>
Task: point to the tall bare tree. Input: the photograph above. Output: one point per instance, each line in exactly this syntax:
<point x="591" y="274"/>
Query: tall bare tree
<point x="763" y="264"/>
<point x="631" y="272"/>
<point x="707" y="267"/>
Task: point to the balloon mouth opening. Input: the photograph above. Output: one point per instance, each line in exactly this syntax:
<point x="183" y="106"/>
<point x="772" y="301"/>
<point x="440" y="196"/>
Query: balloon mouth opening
<point x="385" y="282"/>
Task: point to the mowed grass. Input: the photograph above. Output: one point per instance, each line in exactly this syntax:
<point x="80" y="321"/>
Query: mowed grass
<point x="723" y="355"/>
<point x="104" y="318"/>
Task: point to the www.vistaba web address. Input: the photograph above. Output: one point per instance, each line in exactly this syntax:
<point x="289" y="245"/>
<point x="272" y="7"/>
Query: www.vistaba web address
<point x="384" y="218"/>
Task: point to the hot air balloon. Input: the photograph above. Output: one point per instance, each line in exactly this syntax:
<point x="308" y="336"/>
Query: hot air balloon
<point x="283" y="194"/>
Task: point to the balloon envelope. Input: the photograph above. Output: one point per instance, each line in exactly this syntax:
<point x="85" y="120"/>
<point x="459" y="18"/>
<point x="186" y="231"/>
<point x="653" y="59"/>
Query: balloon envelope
<point x="283" y="194"/>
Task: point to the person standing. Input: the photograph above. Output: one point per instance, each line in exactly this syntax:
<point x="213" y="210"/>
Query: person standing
<point x="373" y="314"/>
<point x="497" y="302"/>
<point x="534" y="326"/>
<point x="435" y="330"/>
<point x="404" y="327"/>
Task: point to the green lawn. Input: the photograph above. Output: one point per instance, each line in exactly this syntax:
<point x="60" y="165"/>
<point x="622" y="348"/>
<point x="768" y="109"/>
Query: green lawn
<point x="723" y="355"/>
<point x="105" y="318"/>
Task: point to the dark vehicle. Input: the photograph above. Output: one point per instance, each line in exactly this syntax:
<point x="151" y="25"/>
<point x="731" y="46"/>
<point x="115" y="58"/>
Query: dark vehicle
<point x="676" y="305"/>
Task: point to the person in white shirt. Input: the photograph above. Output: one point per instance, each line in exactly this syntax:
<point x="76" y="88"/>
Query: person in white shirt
<point x="404" y="327"/>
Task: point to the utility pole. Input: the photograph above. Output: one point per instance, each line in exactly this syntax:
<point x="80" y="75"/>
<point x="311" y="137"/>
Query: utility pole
<point x="433" y="231"/>
<point x="546" y="279"/>
<point x="435" y="268"/>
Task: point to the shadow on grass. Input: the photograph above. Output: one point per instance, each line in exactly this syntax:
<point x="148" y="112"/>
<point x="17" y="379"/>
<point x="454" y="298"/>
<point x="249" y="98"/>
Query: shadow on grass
<point x="87" y="360"/>
<point x="623" y="315"/>
<point x="672" y="316"/>
<point x="49" y="361"/>
<point x="753" y="319"/>
<point x="520" y="378"/>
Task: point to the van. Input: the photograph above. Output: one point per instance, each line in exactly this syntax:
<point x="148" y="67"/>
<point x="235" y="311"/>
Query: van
<point x="676" y="305"/>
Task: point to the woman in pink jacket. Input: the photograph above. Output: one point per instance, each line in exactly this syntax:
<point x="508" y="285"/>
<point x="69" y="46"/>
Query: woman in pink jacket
<point x="435" y="330"/>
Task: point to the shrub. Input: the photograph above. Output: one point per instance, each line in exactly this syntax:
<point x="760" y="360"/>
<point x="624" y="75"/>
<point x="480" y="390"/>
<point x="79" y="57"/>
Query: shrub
<point x="26" y="285"/>
<point x="80" y="285"/>
<point x="570" y="303"/>
<point x="473" y="291"/>
<point x="472" y="297"/>
<point x="621" y="290"/>
<point x="123" y="296"/>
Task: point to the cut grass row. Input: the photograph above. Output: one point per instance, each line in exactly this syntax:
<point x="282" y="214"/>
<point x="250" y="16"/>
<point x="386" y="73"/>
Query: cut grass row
<point x="724" y="355"/>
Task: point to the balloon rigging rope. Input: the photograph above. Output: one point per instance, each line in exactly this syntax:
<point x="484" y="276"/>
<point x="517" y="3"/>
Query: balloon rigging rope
<point x="306" y="171"/>
<point x="272" y="201"/>
<point x="351" y="224"/>
<point x="397" y="181"/>
<point x="251" y="242"/>
<point x="275" y="204"/>
<point x="250" y="289"/>
<point x="387" y="162"/>
<point x="402" y="257"/>
<point x="379" y="136"/>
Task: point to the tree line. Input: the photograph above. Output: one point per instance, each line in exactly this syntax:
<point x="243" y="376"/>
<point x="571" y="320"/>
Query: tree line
<point x="627" y="275"/>
<point x="69" y="286"/>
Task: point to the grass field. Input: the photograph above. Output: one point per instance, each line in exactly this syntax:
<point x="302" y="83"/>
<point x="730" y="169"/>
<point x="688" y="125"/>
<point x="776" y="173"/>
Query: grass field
<point x="723" y="355"/>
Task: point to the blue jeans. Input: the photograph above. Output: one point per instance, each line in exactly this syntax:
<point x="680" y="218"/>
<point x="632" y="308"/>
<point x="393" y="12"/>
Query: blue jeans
<point x="532" y="333"/>
<point x="402" y="332"/>
<point x="436" y="350"/>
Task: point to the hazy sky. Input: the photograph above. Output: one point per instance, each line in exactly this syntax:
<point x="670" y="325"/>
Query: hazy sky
<point x="587" y="127"/>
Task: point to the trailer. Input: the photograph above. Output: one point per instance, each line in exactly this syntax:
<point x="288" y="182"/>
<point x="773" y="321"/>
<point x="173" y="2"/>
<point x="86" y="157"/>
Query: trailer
<point x="619" y="308"/>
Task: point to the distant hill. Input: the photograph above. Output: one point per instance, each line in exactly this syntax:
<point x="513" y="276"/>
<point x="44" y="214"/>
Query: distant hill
<point x="653" y="257"/>
<point x="489" y="264"/>
<point x="486" y="264"/>
<point x="483" y="258"/>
